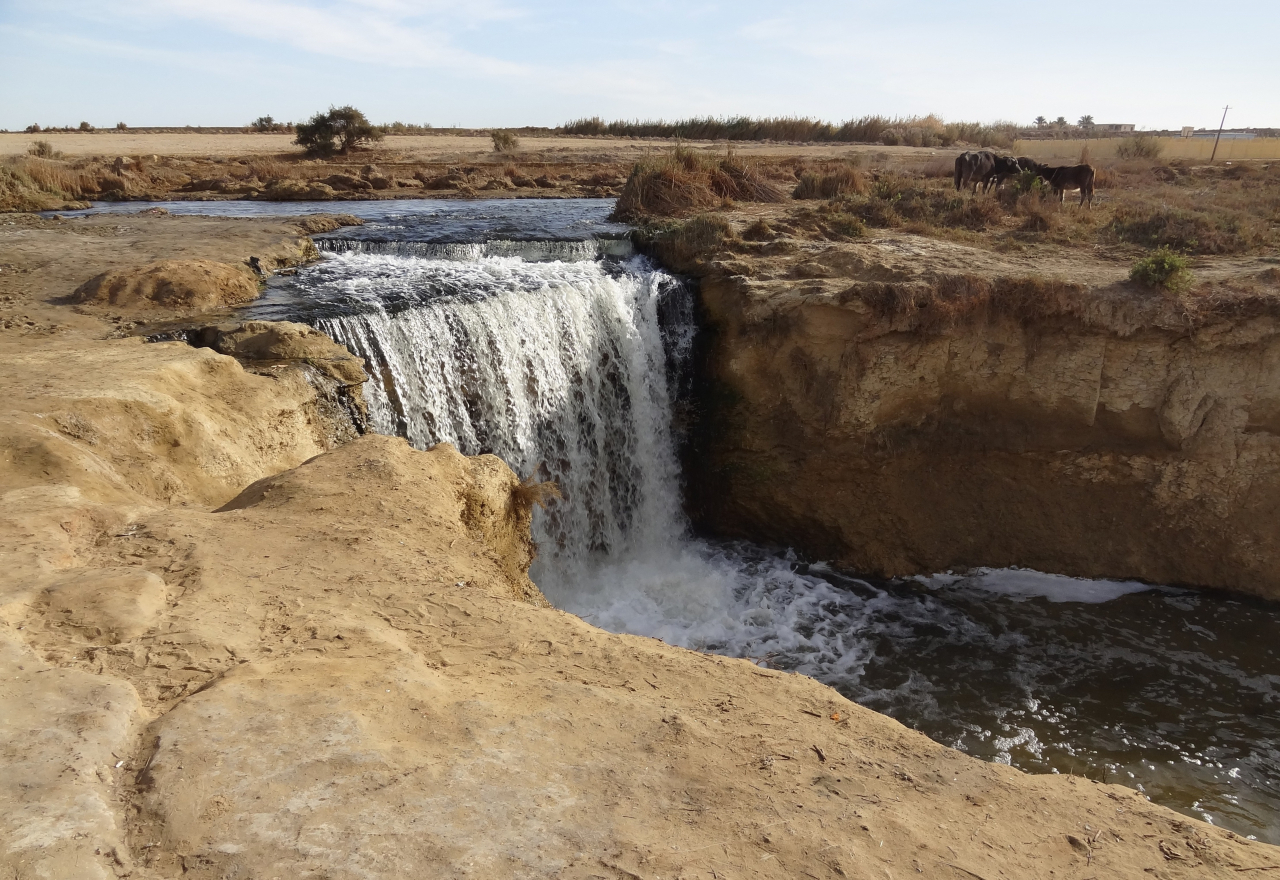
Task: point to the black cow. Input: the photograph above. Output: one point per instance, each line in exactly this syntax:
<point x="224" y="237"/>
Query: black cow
<point x="973" y="169"/>
<point x="1068" y="177"/>
<point x="1002" y="169"/>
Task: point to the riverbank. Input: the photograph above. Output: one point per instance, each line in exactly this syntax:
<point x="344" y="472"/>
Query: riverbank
<point x="256" y="659"/>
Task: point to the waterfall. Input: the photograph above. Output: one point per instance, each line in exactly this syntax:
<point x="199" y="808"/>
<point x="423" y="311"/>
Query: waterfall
<point x="558" y="368"/>
<point x="533" y="251"/>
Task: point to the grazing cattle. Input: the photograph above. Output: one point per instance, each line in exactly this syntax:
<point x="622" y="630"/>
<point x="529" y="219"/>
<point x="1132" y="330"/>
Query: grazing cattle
<point x="973" y="169"/>
<point x="1068" y="177"/>
<point x="1002" y="168"/>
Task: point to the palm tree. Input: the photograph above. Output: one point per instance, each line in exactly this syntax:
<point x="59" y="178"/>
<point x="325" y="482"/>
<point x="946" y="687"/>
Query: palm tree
<point x="1085" y="122"/>
<point x="1041" y="122"/>
<point x="1061" y="122"/>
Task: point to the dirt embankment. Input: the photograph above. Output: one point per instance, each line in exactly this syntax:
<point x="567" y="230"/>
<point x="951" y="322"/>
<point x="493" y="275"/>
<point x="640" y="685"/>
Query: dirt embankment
<point x="905" y="405"/>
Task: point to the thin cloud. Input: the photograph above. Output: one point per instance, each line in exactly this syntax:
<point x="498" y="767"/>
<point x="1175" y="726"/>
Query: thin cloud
<point x="392" y="33"/>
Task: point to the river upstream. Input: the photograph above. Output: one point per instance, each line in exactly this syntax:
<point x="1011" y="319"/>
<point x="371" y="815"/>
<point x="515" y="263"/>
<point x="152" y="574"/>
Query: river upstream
<point x="528" y="329"/>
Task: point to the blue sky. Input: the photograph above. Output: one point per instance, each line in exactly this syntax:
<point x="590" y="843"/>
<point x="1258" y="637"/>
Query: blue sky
<point x="515" y="62"/>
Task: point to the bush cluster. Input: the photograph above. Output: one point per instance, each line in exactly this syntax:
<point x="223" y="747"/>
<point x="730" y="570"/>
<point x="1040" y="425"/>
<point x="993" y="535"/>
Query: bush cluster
<point x="682" y="182"/>
<point x="917" y="131"/>
<point x="504" y="141"/>
<point x="1144" y="146"/>
<point x="1164" y="268"/>
<point x="338" y="131"/>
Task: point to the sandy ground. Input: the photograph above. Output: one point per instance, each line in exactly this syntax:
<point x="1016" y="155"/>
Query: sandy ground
<point x="226" y="652"/>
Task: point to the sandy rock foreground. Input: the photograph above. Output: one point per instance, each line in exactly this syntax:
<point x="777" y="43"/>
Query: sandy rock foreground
<point x="226" y="652"/>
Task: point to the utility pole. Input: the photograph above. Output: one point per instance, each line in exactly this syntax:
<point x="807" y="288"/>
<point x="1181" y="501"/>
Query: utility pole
<point x="1219" y="137"/>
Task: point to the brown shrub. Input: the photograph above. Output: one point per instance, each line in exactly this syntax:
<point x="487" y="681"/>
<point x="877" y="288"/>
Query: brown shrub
<point x="973" y="214"/>
<point x="683" y="245"/>
<point x="531" y="491"/>
<point x="1184" y="230"/>
<point x="954" y="300"/>
<point x="268" y="169"/>
<point x="839" y="181"/>
<point x="1038" y="215"/>
<point x="58" y="177"/>
<point x="760" y="230"/>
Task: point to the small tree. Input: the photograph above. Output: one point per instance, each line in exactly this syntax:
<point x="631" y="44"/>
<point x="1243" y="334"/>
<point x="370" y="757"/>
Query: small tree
<point x="84" y="126"/>
<point x="264" y="123"/>
<point x="120" y="126"/>
<point x="337" y="131"/>
<point x="34" y="128"/>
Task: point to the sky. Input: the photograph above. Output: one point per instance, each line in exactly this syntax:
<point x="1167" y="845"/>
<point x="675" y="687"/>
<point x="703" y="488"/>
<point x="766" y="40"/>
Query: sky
<point x="509" y="63"/>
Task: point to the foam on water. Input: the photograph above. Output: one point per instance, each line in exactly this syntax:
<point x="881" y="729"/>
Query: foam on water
<point x="1024" y="583"/>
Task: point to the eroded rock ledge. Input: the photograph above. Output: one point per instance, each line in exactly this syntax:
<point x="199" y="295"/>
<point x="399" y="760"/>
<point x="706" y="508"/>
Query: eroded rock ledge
<point x="906" y="406"/>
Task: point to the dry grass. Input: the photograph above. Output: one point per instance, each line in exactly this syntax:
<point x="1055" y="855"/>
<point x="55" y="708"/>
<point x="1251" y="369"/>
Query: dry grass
<point x="682" y="182"/>
<point x="531" y="491"/>
<point x="1189" y="149"/>
<point x="269" y="169"/>
<point x="838" y="181"/>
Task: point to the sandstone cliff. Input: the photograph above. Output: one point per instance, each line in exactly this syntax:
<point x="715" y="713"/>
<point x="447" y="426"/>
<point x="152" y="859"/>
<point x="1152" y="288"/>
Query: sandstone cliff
<point x="906" y="405"/>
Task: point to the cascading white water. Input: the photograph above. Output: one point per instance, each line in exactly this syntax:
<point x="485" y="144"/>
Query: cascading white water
<point x="557" y="368"/>
<point x="561" y="369"/>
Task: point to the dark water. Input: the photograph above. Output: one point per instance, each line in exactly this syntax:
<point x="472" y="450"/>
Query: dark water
<point x="1173" y="692"/>
<point x="417" y="220"/>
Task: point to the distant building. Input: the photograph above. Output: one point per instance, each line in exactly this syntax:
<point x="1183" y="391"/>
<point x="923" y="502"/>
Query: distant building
<point x="1227" y="135"/>
<point x="1188" y="130"/>
<point x="1114" y="127"/>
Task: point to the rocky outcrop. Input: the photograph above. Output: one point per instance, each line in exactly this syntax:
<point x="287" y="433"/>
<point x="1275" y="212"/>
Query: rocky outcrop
<point x="866" y="407"/>
<point x="180" y="287"/>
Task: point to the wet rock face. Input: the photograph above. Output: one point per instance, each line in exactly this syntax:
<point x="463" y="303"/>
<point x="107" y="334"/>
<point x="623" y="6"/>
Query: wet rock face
<point x="1096" y="448"/>
<point x="275" y="341"/>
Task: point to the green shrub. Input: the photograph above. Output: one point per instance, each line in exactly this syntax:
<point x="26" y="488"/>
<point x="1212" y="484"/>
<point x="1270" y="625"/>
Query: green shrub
<point x="1164" y="268"/>
<point x="42" y="150"/>
<point x="338" y="131"/>
<point x="1144" y="146"/>
<point x="120" y="126"/>
<point x="84" y="126"/>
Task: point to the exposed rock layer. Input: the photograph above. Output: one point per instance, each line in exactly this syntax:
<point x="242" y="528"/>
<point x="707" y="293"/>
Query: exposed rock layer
<point x="867" y="408"/>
